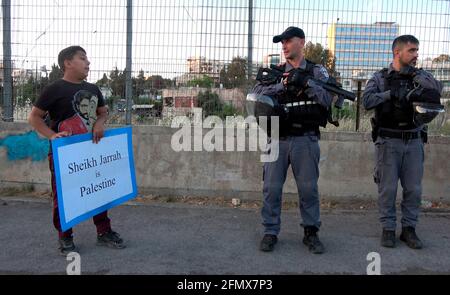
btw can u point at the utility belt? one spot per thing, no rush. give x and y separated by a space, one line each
404 135
400 134
299 132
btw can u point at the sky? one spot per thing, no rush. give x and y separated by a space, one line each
167 32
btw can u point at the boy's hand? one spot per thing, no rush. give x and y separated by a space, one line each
97 132
60 134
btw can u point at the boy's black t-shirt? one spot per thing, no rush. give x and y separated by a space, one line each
63 100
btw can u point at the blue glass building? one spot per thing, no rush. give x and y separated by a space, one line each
361 49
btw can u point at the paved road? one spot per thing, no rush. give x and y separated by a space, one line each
185 239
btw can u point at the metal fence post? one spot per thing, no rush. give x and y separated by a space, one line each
7 64
128 81
250 40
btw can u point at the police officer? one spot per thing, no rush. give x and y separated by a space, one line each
308 106
399 137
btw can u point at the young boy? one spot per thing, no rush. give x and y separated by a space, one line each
61 101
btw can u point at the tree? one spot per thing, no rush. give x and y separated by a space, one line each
210 103
104 81
319 55
204 82
156 82
27 92
442 58
139 83
117 83
235 74
55 74
229 110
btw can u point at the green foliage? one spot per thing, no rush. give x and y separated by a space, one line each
113 102
103 82
229 110
27 92
317 54
203 82
117 82
213 106
235 74
55 74
141 85
210 103
347 112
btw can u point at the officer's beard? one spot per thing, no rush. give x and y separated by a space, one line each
411 63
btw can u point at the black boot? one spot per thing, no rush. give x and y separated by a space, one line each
268 243
312 240
66 245
388 238
110 239
409 236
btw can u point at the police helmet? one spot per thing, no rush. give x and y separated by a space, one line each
263 106
425 112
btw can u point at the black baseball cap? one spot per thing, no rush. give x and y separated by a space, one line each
289 33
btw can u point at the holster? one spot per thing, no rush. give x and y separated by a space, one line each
375 129
424 134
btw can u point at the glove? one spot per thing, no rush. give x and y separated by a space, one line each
399 94
298 78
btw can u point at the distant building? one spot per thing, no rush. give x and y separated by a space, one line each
271 59
197 67
183 97
143 109
361 49
20 75
15 72
182 101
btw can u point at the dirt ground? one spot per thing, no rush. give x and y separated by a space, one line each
288 204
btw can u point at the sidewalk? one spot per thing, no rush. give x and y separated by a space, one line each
186 239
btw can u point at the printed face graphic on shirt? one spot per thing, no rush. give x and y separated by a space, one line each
85 105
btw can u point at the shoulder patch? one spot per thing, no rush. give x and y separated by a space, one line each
323 71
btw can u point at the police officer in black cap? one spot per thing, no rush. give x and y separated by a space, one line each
307 106
404 99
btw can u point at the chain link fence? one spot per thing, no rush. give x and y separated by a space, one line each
200 57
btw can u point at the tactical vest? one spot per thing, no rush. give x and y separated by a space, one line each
392 114
304 114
